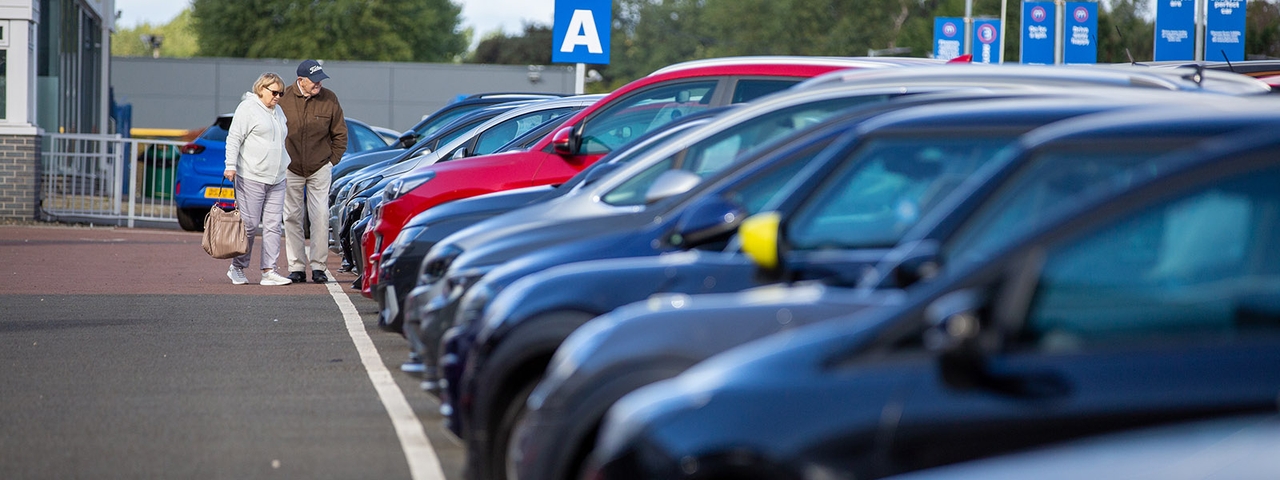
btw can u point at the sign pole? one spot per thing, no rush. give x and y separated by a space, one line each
968 26
1004 11
1201 7
580 79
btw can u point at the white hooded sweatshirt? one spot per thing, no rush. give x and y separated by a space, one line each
255 142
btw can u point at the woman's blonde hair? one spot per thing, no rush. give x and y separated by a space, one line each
267 79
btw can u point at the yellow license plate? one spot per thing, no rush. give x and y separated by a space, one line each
215 192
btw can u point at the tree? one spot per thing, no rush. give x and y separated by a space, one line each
532 47
374 30
1262 29
1124 31
179 39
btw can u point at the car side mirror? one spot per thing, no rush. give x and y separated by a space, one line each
408 140
565 142
759 237
460 153
708 220
671 183
954 325
915 269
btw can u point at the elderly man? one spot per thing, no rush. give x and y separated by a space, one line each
317 139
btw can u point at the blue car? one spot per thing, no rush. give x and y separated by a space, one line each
198 182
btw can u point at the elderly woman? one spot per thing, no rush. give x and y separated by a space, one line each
256 164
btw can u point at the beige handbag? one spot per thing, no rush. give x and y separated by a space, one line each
224 235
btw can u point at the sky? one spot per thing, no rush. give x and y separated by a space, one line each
483 15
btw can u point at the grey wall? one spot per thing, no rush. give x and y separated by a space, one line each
189 93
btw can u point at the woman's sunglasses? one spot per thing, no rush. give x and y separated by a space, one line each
275 93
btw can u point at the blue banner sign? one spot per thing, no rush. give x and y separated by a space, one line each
1224 30
581 31
1038 33
1080 36
986 41
948 35
1175 30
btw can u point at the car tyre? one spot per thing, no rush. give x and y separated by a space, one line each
191 219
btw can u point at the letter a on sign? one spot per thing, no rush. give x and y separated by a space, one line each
581 31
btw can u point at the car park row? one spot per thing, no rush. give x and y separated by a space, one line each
795 267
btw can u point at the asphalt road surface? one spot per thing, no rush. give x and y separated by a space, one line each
127 353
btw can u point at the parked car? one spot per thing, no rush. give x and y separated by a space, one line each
1151 305
198 183
455 110
430 137
659 337
624 115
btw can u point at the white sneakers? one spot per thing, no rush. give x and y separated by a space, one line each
236 275
270 277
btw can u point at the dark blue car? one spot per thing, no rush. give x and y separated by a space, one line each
1154 304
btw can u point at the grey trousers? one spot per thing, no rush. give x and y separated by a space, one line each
260 203
316 188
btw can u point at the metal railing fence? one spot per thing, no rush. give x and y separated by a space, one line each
108 179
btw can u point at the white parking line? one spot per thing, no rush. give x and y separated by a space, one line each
423 462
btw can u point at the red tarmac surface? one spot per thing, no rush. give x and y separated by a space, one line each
64 259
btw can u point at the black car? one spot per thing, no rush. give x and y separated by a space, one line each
402 261
912 159
655 339
1152 305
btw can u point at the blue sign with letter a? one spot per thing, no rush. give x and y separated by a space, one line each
1224 31
1080 40
1038 32
1175 30
948 37
581 31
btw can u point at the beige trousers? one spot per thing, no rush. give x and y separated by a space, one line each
314 190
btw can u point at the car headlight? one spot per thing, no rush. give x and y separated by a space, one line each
437 263
406 184
365 184
462 281
473 304
403 240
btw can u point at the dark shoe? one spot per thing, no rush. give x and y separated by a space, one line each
318 276
298 277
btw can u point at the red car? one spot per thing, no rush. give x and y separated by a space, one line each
625 114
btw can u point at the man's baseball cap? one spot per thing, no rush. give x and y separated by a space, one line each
312 70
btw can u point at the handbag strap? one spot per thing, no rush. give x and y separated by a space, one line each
234 201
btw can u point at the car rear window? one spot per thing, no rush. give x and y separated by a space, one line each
218 131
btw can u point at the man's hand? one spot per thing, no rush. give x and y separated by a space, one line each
229 175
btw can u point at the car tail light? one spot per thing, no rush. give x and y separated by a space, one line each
191 149
966 58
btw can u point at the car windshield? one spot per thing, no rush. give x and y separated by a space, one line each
717 152
884 187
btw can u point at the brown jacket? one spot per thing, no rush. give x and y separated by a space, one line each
317 129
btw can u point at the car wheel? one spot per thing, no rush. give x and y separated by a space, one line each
191 219
501 463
